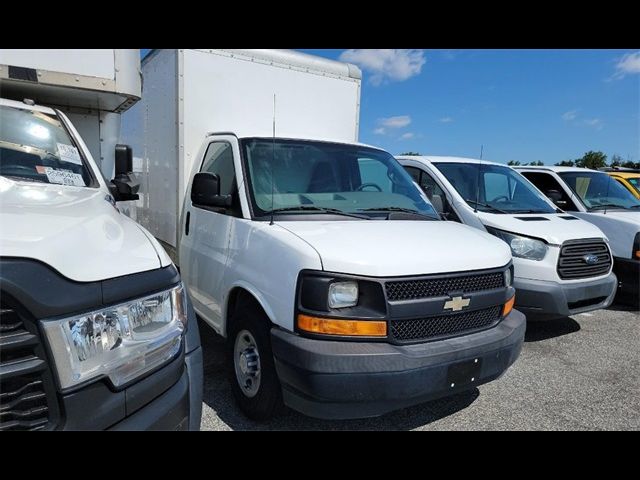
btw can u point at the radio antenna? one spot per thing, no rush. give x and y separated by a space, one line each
475 208
273 153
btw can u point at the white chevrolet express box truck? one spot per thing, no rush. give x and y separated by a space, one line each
563 265
96 329
337 287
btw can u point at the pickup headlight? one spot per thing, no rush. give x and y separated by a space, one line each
521 246
120 342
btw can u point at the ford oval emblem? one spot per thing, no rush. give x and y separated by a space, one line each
590 259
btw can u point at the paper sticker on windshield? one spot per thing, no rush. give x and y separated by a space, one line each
64 177
69 153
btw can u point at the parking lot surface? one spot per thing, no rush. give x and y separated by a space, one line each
578 373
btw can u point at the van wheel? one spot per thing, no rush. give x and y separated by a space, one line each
252 371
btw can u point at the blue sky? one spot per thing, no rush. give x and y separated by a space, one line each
524 105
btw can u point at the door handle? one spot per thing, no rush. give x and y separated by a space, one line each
186 224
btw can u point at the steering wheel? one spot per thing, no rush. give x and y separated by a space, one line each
506 199
365 185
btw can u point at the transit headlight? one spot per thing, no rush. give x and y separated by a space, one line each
522 247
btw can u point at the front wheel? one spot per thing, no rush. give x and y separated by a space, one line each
252 371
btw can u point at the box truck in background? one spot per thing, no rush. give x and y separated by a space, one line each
337 287
97 329
189 93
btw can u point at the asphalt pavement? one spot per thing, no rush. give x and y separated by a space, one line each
577 373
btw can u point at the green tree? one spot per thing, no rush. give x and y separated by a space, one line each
593 160
565 163
630 164
513 163
539 163
415 154
616 160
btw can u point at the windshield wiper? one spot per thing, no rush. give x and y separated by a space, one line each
398 209
607 205
312 208
486 205
633 206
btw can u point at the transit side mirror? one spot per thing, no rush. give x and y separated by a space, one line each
205 191
556 197
124 186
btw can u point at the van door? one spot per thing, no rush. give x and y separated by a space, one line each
206 232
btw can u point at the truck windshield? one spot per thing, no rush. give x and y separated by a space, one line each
599 191
308 177
35 147
502 190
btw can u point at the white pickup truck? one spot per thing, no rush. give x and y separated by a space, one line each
336 285
96 330
563 265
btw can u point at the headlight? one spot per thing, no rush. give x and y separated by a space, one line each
523 247
120 342
343 294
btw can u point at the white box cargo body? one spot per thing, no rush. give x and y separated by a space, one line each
91 86
188 93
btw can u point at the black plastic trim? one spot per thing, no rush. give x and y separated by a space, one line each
45 293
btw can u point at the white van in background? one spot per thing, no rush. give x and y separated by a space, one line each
336 285
563 265
599 199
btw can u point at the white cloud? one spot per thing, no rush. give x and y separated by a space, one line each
628 64
407 136
399 121
380 131
570 115
595 123
394 64
446 120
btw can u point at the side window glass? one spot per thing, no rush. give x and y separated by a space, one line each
219 160
552 189
415 173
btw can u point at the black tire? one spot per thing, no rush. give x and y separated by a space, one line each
268 399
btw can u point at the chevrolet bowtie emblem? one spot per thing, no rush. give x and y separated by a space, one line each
457 303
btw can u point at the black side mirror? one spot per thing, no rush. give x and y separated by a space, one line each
556 197
205 191
124 186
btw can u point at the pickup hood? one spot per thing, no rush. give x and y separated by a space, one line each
550 227
76 231
388 248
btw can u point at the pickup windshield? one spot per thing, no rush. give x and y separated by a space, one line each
35 147
311 178
599 191
502 190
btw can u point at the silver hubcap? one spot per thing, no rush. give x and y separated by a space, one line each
246 360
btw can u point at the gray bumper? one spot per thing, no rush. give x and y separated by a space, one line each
339 379
546 300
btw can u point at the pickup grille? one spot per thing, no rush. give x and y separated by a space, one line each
572 262
23 397
445 325
440 287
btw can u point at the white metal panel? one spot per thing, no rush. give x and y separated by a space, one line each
90 62
231 94
150 127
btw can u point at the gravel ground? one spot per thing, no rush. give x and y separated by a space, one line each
578 373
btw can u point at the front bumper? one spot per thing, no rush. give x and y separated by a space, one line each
340 379
547 300
628 273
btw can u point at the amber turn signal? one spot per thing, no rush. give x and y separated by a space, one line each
506 310
637 253
352 328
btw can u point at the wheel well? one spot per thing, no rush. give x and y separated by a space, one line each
239 296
